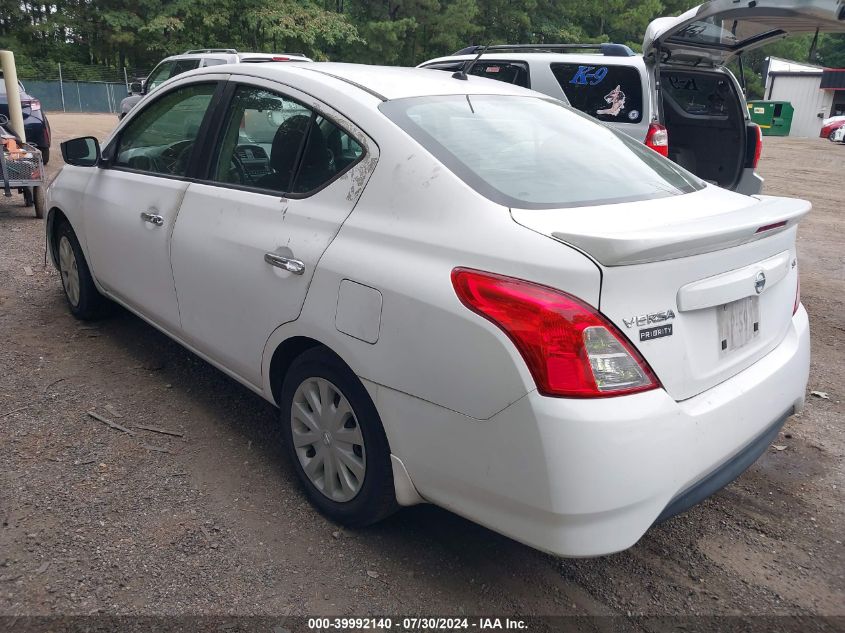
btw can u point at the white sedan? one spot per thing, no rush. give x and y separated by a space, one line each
456 291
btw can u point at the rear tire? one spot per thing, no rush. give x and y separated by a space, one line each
336 441
83 298
39 201
45 154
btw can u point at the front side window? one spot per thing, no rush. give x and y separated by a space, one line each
161 138
535 153
606 92
160 74
274 143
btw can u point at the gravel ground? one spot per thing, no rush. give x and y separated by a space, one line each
95 520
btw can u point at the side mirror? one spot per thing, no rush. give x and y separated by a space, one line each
136 88
82 152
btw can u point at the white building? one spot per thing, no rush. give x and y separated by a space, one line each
816 93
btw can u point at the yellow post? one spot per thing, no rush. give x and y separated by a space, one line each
10 77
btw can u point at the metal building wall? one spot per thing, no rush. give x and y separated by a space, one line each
806 97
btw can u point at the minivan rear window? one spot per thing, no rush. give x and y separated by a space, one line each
608 92
536 153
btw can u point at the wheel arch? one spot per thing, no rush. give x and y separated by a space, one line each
284 355
55 216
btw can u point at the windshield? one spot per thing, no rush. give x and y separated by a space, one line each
536 153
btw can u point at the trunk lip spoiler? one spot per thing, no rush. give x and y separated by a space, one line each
655 243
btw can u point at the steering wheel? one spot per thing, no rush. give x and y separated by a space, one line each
237 172
174 158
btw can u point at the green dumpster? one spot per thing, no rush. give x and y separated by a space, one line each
773 117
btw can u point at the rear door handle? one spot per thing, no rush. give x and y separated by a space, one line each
285 263
152 218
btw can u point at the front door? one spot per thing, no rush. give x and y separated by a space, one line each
283 177
131 205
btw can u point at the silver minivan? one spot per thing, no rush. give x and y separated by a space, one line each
678 96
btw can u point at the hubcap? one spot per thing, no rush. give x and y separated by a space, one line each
328 439
69 271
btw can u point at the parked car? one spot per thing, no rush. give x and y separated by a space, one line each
678 97
201 58
35 122
830 126
462 292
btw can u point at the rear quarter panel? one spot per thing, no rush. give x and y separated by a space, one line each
414 223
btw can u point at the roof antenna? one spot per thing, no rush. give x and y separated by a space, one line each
468 64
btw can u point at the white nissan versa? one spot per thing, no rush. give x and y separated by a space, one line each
456 290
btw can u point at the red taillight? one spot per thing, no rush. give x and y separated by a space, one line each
758 147
657 139
279 58
570 349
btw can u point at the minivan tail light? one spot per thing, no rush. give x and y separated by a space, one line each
570 349
657 138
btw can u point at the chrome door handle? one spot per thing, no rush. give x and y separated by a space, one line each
152 218
285 263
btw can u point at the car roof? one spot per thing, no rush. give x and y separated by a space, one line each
544 57
383 82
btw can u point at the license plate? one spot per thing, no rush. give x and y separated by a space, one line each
739 322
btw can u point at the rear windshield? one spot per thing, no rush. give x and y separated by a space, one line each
536 153
606 92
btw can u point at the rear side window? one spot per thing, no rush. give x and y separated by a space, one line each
701 94
607 92
535 153
515 73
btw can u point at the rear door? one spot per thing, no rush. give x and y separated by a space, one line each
717 31
282 176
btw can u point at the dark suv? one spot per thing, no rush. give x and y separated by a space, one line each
35 122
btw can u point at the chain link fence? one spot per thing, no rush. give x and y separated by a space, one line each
78 88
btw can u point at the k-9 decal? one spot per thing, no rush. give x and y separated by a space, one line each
589 76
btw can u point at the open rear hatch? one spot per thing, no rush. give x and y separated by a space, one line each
703 284
717 31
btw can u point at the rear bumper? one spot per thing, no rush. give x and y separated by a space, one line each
589 477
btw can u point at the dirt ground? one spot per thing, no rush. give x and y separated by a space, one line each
93 520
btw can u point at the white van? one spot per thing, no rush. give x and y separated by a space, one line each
678 97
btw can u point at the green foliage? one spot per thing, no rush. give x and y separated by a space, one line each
97 39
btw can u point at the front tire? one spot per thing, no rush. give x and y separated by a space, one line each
336 441
83 298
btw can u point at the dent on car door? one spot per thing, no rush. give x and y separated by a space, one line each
284 173
130 206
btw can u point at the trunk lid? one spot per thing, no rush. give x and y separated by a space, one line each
681 280
717 31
